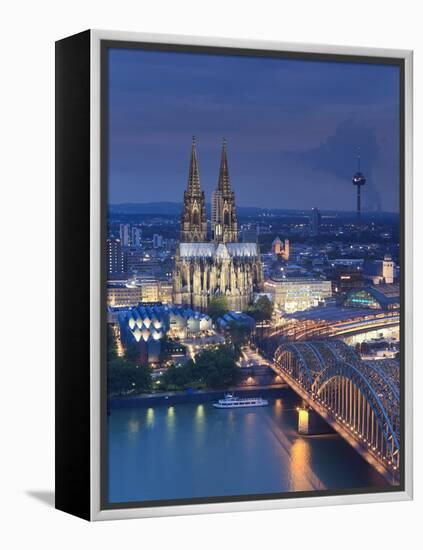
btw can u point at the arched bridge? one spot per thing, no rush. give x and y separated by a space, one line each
359 398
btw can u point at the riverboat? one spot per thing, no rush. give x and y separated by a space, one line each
232 402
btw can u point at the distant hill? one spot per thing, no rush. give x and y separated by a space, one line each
174 208
146 208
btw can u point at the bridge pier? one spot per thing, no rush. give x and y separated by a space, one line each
311 423
357 399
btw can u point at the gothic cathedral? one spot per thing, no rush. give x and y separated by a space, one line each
208 267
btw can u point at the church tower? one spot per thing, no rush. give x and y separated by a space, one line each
224 222
194 219
388 269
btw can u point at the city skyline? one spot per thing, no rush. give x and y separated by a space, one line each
295 308
300 122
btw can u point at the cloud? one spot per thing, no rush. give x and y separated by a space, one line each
337 155
293 127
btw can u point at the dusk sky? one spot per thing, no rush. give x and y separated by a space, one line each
293 128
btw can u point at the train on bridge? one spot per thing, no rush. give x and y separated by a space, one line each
331 322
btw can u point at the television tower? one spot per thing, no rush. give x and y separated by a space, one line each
358 180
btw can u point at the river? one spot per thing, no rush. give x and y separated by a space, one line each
196 451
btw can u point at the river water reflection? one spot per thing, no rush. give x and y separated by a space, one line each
196 451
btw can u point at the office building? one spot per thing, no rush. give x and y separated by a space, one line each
115 256
298 293
136 237
157 241
125 234
122 295
315 220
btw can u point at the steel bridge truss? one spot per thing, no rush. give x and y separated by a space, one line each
361 396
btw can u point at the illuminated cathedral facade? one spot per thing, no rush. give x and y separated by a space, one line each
219 265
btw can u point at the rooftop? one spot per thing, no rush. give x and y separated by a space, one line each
385 294
307 279
387 290
332 314
235 316
210 250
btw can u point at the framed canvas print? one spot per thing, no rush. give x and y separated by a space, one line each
234 299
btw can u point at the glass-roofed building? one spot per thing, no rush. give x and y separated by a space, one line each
382 296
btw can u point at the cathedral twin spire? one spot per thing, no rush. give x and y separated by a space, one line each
224 184
194 220
224 222
194 173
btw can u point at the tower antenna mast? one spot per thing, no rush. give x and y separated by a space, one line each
359 180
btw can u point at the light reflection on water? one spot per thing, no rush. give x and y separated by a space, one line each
195 450
300 465
150 417
133 425
170 424
199 415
